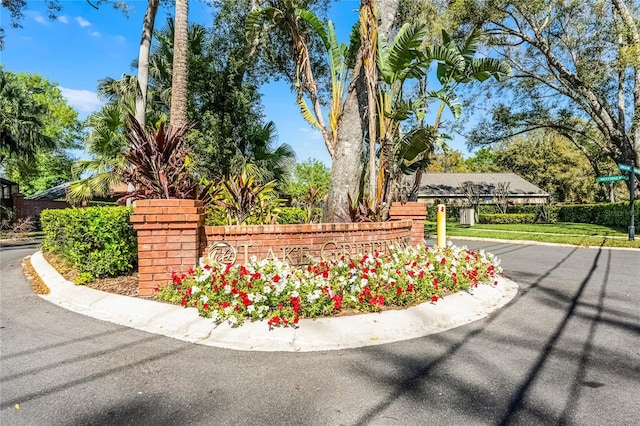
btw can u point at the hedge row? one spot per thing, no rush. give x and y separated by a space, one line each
610 214
543 214
97 241
286 216
509 218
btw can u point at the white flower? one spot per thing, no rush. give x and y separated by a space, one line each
251 308
227 289
266 289
204 298
232 320
195 289
294 294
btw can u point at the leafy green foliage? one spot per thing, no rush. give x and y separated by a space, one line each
22 119
245 198
552 163
609 214
308 187
97 241
507 218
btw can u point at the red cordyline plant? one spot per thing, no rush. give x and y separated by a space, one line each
157 163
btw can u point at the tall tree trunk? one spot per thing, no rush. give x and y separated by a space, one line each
180 67
352 125
633 40
143 60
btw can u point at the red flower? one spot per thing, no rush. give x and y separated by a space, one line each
280 306
399 290
275 320
207 267
337 302
276 278
205 307
285 321
190 271
156 289
325 274
443 261
295 320
183 302
434 298
380 300
435 283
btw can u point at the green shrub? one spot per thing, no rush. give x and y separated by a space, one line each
291 215
97 241
543 214
216 216
609 214
509 218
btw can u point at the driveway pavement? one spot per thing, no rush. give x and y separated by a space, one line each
565 350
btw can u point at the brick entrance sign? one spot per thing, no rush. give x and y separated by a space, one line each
171 237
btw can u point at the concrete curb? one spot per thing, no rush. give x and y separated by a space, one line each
536 243
312 335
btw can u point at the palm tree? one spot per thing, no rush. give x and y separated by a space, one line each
290 17
143 60
180 72
270 163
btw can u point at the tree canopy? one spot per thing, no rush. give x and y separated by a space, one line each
576 70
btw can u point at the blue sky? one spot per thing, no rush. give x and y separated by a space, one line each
84 45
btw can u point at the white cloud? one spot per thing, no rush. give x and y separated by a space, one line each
63 19
84 101
37 17
311 133
120 38
95 34
82 22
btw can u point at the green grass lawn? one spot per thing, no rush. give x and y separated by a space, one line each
581 234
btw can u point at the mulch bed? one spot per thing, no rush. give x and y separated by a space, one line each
126 285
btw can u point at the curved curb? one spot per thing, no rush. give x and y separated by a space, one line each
321 334
537 243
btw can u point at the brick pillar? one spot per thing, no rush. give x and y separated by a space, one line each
18 206
414 211
168 239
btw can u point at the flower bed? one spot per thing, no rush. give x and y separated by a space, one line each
283 294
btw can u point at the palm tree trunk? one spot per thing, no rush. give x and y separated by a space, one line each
143 60
180 66
352 125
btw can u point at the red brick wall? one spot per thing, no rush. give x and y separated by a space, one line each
23 208
172 237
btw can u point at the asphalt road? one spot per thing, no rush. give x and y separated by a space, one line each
565 351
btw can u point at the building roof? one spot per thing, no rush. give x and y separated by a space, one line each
60 192
452 184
